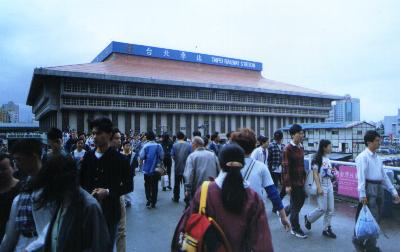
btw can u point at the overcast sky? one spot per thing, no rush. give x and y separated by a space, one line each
340 47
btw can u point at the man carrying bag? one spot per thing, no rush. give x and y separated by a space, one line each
371 179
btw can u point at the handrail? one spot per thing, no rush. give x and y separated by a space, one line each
393 168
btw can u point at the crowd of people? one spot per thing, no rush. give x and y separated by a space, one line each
72 193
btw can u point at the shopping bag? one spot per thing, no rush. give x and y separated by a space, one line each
366 226
164 181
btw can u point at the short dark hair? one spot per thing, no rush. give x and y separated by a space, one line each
114 132
263 139
214 136
103 124
126 142
196 133
370 136
246 139
295 129
180 135
54 134
27 147
228 135
150 135
278 135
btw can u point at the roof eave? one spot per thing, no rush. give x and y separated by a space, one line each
44 71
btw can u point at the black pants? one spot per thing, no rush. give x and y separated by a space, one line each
297 198
151 188
177 186
276 177
168 165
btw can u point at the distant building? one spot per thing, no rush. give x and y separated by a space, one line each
4 117
346 110
346 137
12 110
392 125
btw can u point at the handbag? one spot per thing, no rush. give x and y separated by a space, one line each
310 186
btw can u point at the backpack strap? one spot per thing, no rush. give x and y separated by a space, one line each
203 197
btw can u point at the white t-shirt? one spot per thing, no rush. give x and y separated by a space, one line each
98 154
326 168
258 154
78 155
258 178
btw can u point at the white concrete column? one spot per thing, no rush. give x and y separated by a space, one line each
73 121
143 122
121 121
218 123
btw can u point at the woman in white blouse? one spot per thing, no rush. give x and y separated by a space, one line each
323 173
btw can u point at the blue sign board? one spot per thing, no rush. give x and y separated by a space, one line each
162 53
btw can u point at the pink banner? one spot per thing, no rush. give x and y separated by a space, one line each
347 181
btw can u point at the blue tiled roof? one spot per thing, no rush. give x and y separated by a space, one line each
19 125
330 125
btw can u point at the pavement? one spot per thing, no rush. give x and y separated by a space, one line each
152 230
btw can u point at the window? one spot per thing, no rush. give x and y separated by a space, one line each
221 96
205 95
335 132
310 144
359 132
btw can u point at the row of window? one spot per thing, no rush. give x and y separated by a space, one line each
76 86
99 102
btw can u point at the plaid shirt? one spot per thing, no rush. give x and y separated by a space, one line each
275 155
293 165
24 220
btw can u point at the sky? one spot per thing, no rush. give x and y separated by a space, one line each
339 47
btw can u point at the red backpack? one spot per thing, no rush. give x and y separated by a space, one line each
202 233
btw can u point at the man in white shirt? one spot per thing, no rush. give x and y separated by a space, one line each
372 180
261 153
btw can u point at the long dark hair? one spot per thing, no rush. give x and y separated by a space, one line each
231 159
320 153
58 179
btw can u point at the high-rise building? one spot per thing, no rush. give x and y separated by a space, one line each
12 110
346 110
392 125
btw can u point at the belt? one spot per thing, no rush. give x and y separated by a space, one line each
29 234
375 182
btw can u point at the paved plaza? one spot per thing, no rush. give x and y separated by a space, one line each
152 230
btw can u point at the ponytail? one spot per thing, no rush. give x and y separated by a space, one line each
234 195
233 191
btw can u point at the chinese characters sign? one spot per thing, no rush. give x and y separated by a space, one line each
347 185
162 53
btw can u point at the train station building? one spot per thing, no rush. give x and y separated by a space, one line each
143 87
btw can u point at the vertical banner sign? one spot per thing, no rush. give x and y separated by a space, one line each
347 185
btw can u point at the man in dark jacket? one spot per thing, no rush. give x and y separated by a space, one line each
105 174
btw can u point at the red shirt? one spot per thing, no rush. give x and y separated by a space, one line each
293 166
248 231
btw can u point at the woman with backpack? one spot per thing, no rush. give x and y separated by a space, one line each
323 174
236 211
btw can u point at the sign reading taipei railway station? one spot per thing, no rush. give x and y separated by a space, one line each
163 53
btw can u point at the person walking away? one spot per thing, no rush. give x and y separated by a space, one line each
294 177
180 152
27 224
261 153
150 155
201 165
371 180
242 218
78 223
167 144
323 173
9 189
105 174
79 152
256 174
275 150
214 145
